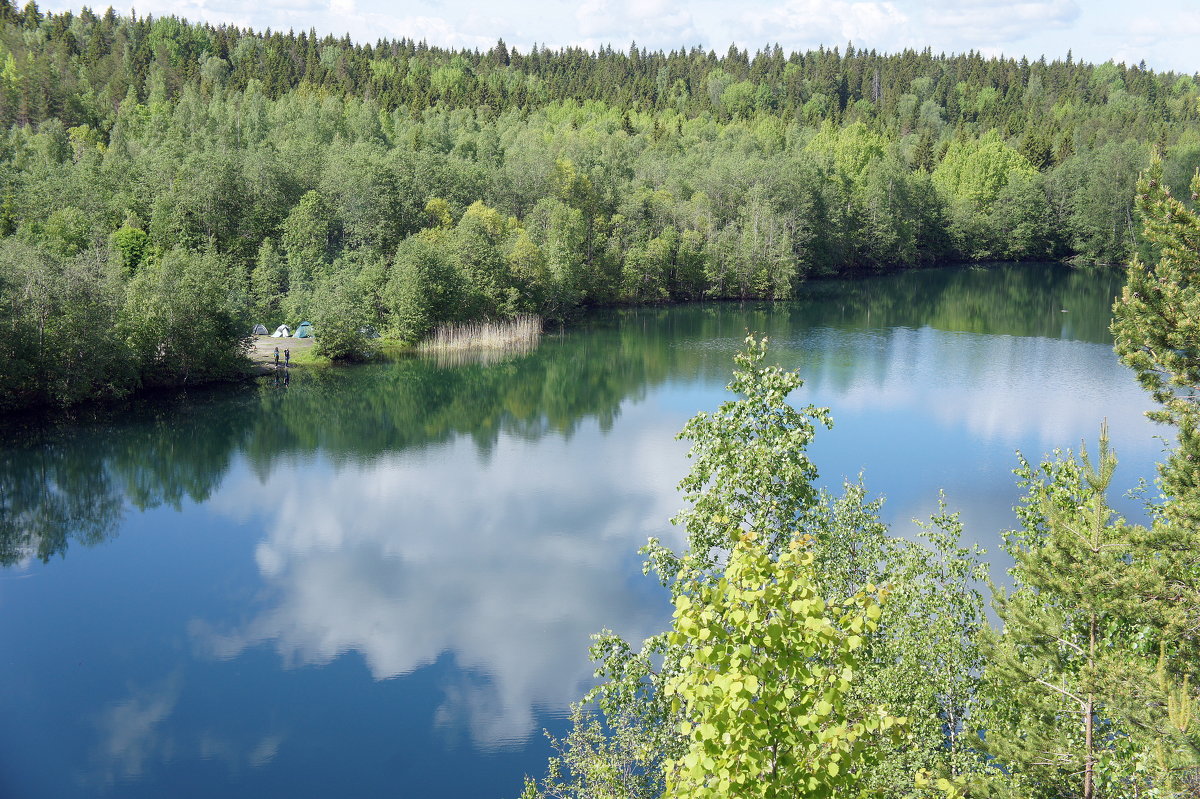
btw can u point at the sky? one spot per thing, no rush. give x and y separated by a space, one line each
1163 33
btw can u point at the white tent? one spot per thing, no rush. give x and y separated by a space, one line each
260 330
282 332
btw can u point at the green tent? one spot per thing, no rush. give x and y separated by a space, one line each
305 330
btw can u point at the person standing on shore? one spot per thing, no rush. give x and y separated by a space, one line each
277 357
287 358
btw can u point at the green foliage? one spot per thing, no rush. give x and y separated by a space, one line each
186 319
341 317
55 314
750 468
763 683
131 244
973 172
1097 187
425 287
1157 331
925 657
1070 676
306 240
1020 220
1156 335
768 684
987 185
478 243
606 177
268 285
851 148
753 255
597 758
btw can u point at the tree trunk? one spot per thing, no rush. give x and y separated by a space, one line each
1089 763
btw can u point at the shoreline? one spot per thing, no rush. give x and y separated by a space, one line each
261 352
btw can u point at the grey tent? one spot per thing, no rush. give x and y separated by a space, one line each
282 332
260 330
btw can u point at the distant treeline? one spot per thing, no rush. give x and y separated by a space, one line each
164 186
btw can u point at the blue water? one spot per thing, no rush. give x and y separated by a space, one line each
382 580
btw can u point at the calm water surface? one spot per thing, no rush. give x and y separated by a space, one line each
381 580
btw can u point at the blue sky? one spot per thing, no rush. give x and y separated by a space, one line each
1164 33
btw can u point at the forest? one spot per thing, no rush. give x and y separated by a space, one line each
165 186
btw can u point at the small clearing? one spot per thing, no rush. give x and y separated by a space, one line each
262 351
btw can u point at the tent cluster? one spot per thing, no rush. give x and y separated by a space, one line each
305 330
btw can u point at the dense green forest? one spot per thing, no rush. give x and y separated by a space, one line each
165 186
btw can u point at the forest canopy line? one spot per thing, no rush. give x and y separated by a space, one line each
164 186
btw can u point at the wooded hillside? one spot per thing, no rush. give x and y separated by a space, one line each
164 186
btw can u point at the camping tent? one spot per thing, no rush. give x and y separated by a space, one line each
260 330
281 332
305 330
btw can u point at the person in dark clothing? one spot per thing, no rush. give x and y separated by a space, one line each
287 357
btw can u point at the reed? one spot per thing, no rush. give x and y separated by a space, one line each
485 341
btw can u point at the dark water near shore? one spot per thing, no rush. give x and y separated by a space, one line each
381 580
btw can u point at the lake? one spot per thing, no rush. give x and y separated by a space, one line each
381 580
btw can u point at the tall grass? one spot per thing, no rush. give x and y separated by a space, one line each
483 342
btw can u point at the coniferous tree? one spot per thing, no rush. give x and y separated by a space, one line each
1157 332
1067 675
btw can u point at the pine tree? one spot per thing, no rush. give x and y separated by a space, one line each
1065 671
1157 331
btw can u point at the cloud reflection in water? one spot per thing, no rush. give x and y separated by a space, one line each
508 563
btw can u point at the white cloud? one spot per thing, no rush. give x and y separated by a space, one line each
999 388
808 23
651 23
594 17
998 23
1160 31
1154 39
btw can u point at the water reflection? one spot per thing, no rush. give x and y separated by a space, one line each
996 388
451 535
59 483
131 735
508 562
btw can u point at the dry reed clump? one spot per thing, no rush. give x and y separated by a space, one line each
484 341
